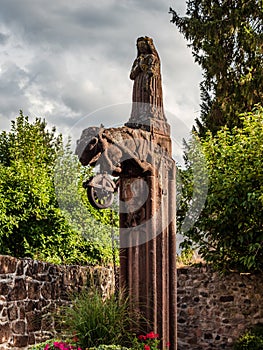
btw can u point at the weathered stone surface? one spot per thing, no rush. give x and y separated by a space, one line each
30 292
20 341
226 298
4 332
140 154
4 288
47 322
12 312
33 290
19 327
22 312
31 305
214 310
7 264
20 268
31 339
46 291
19 290
33 321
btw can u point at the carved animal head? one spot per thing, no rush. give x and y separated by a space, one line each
88 147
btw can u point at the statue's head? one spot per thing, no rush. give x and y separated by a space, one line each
145 45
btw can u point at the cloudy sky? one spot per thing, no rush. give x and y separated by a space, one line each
69 62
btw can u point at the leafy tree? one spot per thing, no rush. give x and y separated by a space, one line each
27 154
96 227
32 222
229 231
226 38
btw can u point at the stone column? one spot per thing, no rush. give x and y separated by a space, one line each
140 153
147 240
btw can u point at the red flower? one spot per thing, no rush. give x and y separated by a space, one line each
152 335
147 347
168 344
142 337
75 339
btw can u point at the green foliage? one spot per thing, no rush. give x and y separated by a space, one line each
226 39
229 231
191 186
186 257
27 152
148 341
42 345
37 176
95 226
96 321
251 340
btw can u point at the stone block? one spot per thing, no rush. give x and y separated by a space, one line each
33 290
33 321
4 333
7 264
33 267
20 341
31 306
31 339
19 290
226 298
4 313
19 327
22 312
12 312
4 288
20 268
46 291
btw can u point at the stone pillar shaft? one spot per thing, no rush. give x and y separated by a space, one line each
148 256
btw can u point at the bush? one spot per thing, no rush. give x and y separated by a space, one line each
45 213
251 340
97 322
229 230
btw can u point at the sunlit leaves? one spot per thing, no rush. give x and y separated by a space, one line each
229 231
32 223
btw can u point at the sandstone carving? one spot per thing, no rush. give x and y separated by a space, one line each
139 154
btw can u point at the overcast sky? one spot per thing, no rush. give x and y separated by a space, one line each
69 62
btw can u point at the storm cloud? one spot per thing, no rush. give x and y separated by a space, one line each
69 62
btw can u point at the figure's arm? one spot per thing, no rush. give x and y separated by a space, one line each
135 69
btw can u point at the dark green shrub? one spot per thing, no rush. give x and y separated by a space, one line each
251 340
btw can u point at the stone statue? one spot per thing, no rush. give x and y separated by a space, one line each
147 97
139 154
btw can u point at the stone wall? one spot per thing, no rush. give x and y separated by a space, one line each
213 310
30 291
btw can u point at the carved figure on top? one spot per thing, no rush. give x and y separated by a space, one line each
147 88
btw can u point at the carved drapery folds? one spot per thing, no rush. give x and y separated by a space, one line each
147 96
